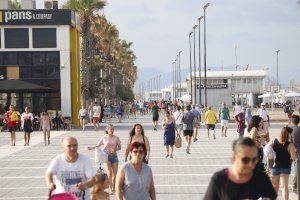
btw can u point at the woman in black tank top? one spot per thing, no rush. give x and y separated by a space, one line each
285 153
136 132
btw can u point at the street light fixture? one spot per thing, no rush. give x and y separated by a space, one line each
205 80
200 79
191 71
173 66
277 52
195 78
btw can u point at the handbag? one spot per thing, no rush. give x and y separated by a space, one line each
178 141
100 155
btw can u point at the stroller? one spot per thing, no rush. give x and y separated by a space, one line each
65 196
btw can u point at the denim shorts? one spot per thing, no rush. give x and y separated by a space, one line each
112 158
279 171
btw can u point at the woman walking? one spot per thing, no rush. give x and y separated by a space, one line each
111 144
285 152
135 179
83 117
137 135
169 133
27 124
46 123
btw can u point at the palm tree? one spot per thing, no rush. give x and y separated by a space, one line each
15 5
86 10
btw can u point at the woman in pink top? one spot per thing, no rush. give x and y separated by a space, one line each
111 144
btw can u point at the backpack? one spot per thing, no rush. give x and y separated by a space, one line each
286 109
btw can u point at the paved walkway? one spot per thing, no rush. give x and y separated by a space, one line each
185 176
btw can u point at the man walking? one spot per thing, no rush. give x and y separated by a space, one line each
155 115
264 114
188 127
210 121
73 171
296 140
96 116
197 121
224 117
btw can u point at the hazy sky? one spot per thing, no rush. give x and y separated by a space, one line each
159 29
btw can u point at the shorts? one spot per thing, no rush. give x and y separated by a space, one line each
210 126
179 127
112 158
83 117
12 128
188 133
46 128
96 119
275 171
155 118
224 123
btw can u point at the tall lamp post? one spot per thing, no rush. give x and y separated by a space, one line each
179 73
277 52
176 80
173 72
195 78
205 80
191 71
200 79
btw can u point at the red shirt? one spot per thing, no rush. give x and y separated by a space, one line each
8 119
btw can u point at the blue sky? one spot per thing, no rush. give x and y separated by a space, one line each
159 29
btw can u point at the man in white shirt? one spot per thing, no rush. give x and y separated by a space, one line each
264 114
96 116
72 172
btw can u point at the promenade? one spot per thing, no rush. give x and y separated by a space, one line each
22 169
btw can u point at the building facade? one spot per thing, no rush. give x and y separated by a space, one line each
39 51
230 87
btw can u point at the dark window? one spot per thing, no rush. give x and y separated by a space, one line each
52 72
10 58
52 58
1 59
24 58
44 37
25 72
38 72
16 38
38 59
225 80
3 73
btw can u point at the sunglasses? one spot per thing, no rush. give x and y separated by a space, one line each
246 160
138 151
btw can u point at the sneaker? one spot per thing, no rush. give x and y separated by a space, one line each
195 139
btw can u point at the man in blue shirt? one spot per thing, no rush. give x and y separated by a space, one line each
197 121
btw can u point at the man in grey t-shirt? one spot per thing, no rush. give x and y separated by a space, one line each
188 126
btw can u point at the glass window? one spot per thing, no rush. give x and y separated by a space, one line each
1 59
52 58
38 72
25 72
10 58
52 72
24 58
44 37
224 80
16 38
38 59
238 84
3 73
